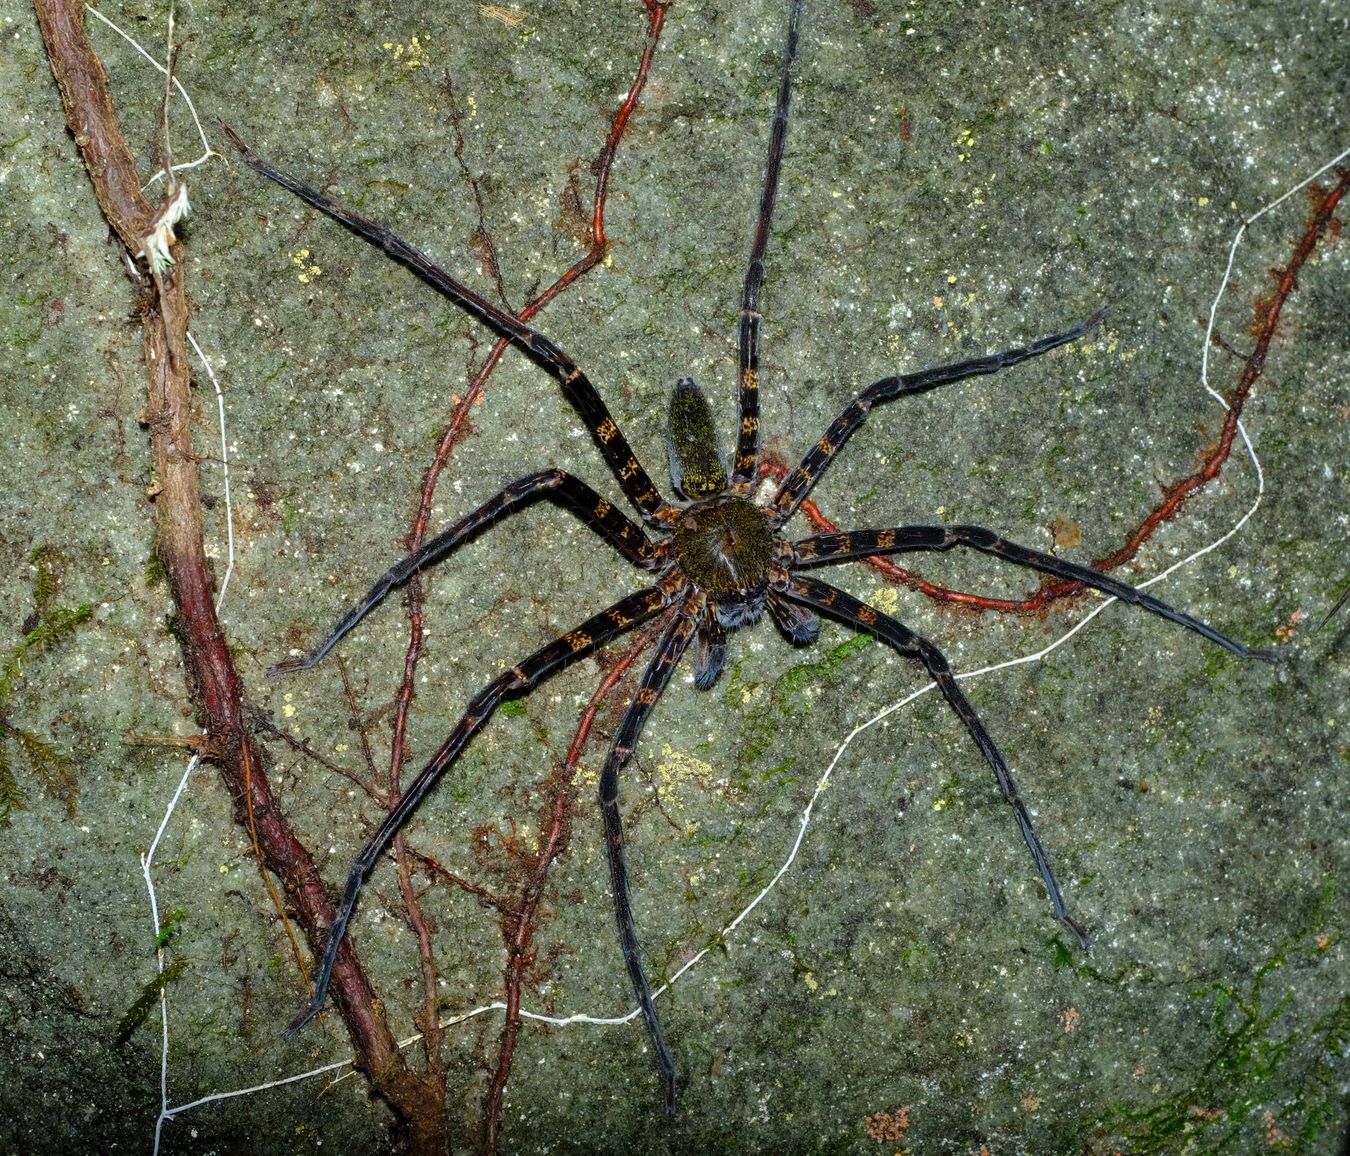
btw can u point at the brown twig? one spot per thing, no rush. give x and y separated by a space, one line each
213 682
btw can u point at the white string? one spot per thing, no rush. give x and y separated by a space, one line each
225 471
147 864
207 151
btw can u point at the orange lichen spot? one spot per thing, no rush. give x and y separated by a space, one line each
1069 1019
1286 632
1067 532
1275 1138
887 1127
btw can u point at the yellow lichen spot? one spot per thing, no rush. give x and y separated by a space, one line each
307 269
410 55
287 707
964 144
885 599
681 766
811 982
224 868
1203 201
951 278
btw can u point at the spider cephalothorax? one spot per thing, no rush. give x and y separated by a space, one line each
719 559
721 544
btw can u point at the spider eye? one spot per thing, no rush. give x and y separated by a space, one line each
697 468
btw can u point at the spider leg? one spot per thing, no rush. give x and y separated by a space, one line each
747 436
799 624
619 618
558 486
827 548
654 681
1335 607
846 608
798 484
632 478
710 650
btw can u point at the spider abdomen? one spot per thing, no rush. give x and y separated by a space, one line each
725 547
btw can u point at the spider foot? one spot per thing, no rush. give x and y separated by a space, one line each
287 665
312 1008
1078 930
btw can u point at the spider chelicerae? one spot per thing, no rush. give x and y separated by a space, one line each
717 559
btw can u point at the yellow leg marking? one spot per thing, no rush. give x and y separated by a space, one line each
578 640
606 430
646 696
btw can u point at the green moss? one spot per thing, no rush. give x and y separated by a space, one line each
135 1015
1243 1085
48 625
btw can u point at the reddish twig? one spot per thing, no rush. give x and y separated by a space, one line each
555 829
1264 327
